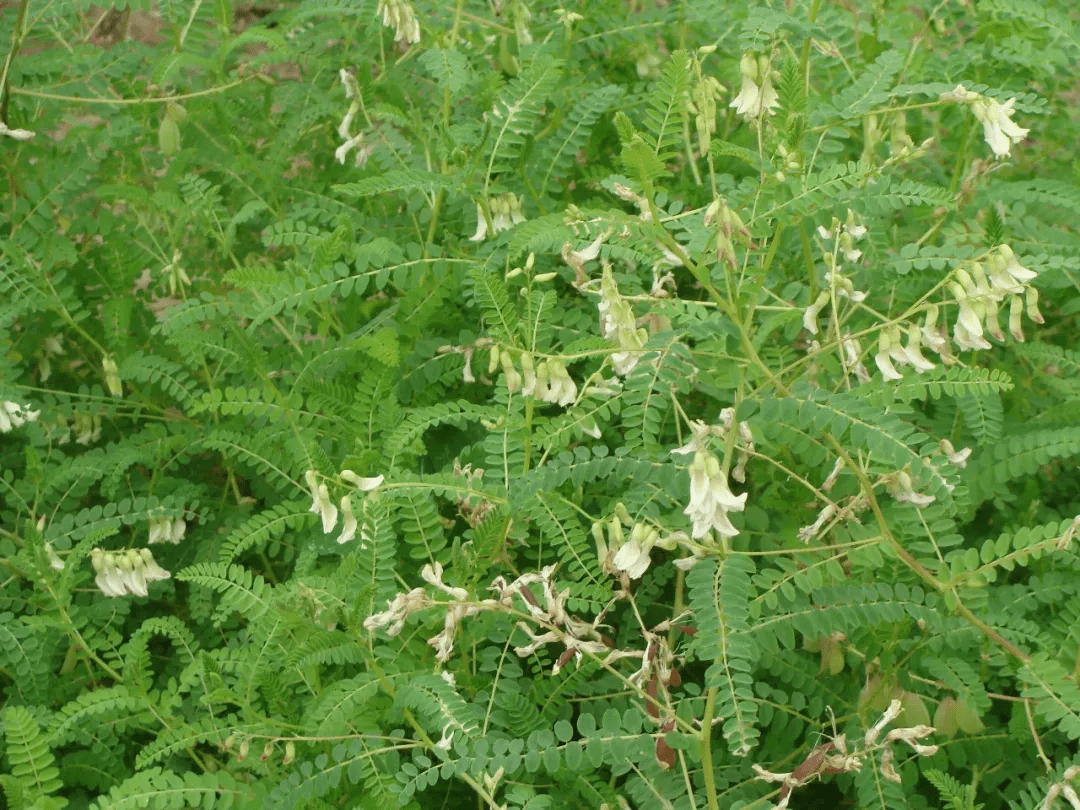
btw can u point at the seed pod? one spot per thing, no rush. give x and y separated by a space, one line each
268 749
290 753
242 753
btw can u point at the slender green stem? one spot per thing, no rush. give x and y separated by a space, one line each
18 34
706 750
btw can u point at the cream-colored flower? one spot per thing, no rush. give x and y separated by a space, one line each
320 502
55 563
13 415
166 530
884 357
810 314
16 134
999 130
349 523
120 573
710 498
617 323
399 15
363 484
757 96
632 557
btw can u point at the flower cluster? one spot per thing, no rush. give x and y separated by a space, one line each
834 757
166 530
120 573
399 15
728 226
757 96
629 557
547 381
49 346
617 323
842 238
978 295
704 94
322 506
710 496
505 212
999 130
363 151
13 415
978 288
558 626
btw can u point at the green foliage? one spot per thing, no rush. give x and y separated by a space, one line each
406 404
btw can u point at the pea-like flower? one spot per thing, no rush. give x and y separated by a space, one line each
999 130
320 502
710 498
757 96
120 573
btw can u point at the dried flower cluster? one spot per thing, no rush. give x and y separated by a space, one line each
834 757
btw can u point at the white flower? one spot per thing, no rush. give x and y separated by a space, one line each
999 130
505 212
632 557
320 502
883 358
912 353
363 484
577 258
397 611
17 134
617 323
710 498
757 96
810 314
349 523
55 563
14 415
120 573
957 458
166 530
561 389
899 485
399 15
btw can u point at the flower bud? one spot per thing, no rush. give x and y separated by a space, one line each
1033 305
1016 309
290 753
513 377
112 376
